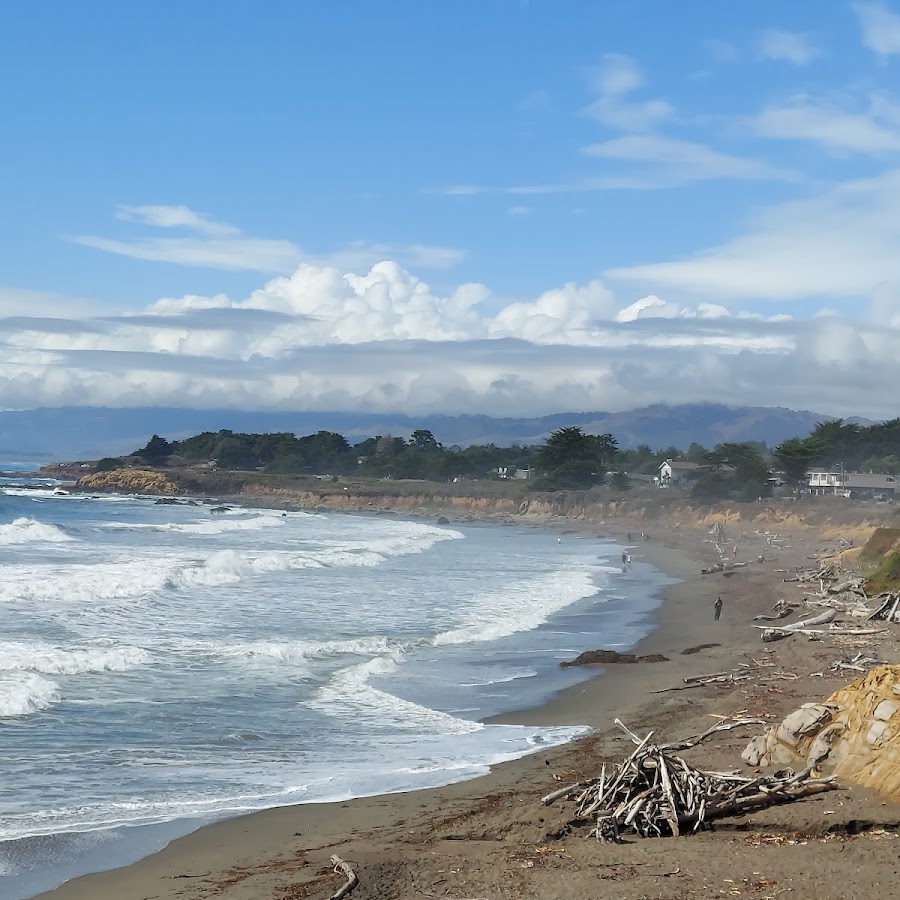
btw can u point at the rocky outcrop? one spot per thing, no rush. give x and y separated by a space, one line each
129 481
604 657
855 733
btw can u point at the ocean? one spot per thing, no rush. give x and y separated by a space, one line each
166 665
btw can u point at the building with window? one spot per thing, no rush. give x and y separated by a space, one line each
863 485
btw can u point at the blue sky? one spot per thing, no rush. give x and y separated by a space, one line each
702 198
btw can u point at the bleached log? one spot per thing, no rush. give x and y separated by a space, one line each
349 874
822 618
562 792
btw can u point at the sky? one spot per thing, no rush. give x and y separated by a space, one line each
512 207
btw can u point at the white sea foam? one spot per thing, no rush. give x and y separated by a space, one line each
50 660
82 585
24 693
350 695
299 652
42 492
25 531
503 679
212 526
520 607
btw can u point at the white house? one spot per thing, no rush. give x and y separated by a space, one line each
675 473
850 484
520 474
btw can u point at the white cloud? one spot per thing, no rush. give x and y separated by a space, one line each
652 307
683 161
383 340
584 185
43 303
841 244
173 217
616 79
880 28
835 128
229 254
788 46
223 247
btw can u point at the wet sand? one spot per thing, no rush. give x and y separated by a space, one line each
491 838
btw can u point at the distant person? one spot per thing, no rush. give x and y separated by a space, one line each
559 540
718 607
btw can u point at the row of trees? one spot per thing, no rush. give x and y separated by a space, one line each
327 452
569 459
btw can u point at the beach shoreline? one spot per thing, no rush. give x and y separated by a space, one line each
403 845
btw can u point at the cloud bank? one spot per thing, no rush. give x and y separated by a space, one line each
384 340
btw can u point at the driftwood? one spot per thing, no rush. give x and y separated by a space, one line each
775 634
782 613
722 567
738 676
653 792
889 611
349 874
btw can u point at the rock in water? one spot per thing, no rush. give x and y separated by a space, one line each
605 657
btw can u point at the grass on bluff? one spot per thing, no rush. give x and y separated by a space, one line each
882 554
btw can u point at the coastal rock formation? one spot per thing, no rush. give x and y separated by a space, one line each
855 733
604 657
129 481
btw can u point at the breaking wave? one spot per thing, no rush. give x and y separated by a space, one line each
24 693
520 607
49 660
25 531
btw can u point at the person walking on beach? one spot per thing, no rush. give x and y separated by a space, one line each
718 607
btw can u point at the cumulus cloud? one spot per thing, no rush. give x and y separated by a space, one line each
383 339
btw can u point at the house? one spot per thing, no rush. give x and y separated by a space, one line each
521 473
675 473
861 485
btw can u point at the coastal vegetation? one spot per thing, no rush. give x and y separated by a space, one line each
569 460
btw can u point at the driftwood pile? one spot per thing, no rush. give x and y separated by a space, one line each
654 793
839 593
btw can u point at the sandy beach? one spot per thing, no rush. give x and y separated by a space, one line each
491 838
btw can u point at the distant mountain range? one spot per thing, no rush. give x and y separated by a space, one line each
70 432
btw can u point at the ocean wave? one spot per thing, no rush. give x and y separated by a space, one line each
520 607
42 492
299 652
50 660
213 526
24 693
26 531
145 576
504 679
349 694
